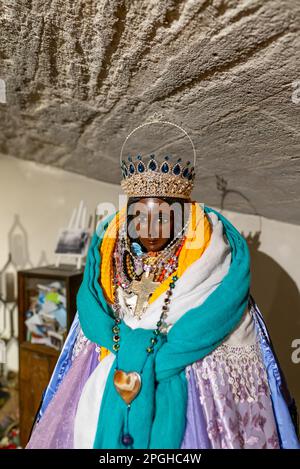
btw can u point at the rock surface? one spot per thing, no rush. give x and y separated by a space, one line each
81 74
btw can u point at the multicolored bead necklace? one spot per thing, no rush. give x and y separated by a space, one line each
131 266
129 384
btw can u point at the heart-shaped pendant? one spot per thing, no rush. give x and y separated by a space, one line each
128 385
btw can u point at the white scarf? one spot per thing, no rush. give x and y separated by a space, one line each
194 286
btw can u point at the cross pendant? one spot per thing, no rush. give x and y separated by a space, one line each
143 289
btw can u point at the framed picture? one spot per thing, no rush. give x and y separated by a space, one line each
72 241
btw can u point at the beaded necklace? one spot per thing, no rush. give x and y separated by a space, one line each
131 266
128 384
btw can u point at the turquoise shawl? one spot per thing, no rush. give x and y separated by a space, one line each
158 413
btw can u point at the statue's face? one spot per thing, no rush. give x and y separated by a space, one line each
152 222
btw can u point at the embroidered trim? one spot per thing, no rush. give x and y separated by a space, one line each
240 367
80 343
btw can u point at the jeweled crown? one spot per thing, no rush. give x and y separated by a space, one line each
147 176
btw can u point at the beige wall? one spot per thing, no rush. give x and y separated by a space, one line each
44 197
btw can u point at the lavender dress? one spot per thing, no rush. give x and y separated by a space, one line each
234 396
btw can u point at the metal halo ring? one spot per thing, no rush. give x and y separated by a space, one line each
159 122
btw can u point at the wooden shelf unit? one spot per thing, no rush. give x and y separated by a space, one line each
36 361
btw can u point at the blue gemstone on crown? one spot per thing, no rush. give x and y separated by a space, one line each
131 168
152 165
165 168
177 169
185 173
141 167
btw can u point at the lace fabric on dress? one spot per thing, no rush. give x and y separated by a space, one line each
80 343
231 385
241 367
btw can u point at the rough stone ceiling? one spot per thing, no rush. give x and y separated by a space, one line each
81 74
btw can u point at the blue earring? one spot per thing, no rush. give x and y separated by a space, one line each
136 248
